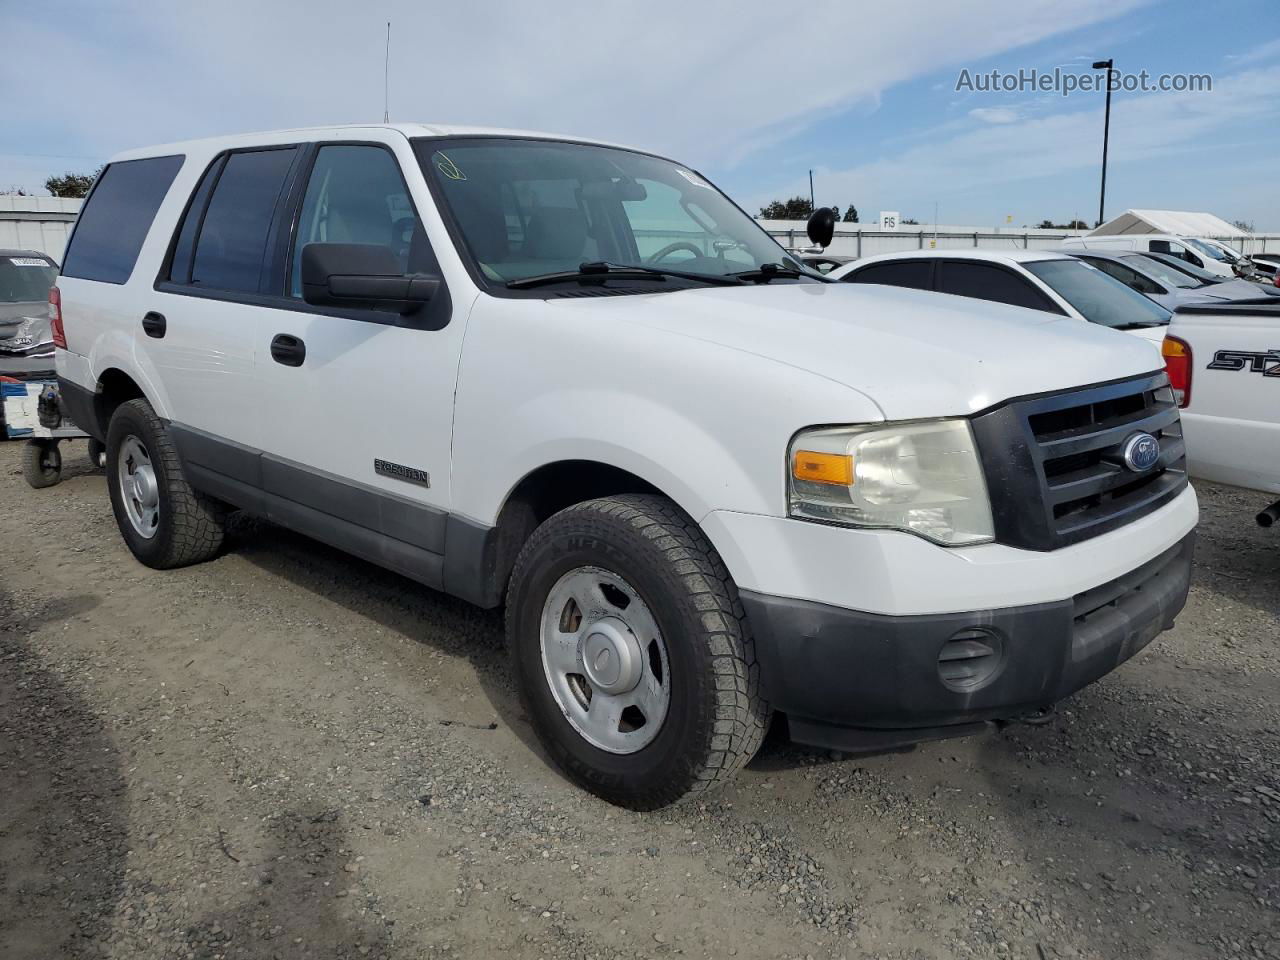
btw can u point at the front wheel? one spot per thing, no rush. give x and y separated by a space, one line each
162 519
632 652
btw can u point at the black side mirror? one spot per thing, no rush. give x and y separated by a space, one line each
822 226
361 275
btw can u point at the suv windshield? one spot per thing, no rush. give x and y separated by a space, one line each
530 208
25 279
1102 299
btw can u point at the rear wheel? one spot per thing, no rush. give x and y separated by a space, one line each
632 652
162 519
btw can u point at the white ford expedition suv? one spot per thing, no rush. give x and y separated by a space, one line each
575 379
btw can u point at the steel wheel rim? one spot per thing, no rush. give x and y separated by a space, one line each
605 660
138 488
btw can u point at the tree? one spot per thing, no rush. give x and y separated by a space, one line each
1073 225
1242 225
909 222
71 184
797 208
851 214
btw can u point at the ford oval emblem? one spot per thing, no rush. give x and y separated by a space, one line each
1141 452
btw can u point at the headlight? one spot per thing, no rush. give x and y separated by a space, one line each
923 478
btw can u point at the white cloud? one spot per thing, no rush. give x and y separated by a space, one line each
995 114
709 82
1265 51
1148 129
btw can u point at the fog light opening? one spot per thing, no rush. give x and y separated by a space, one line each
970 659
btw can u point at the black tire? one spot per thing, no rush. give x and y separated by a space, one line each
41 463
191 525
716 718
97 453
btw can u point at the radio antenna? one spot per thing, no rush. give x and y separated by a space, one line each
386 74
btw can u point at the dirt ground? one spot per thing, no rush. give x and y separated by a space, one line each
288 753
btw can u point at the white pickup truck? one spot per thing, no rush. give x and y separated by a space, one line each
1223 361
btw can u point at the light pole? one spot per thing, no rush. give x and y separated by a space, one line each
1107 65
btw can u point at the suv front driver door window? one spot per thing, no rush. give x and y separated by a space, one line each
360 387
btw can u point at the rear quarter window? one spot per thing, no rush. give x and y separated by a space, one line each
914 274
986 281
117 217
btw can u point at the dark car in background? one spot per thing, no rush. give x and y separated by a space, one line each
1220 287
1167 285
26 339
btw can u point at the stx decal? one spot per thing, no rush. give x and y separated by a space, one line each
1266 363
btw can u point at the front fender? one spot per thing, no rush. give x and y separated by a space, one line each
706 424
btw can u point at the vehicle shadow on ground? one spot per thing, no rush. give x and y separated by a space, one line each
434 619
63 829
304 903
397 604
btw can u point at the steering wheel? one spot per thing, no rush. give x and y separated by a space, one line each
671 248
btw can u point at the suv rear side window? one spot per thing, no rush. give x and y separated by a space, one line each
233 234
116 218
985 281
916 274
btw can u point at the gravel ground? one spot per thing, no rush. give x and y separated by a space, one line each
291 753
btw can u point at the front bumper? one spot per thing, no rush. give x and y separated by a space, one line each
850 680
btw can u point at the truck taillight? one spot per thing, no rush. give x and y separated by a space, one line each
55 318
1177 363
1277 276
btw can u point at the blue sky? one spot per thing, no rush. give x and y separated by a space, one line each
753 94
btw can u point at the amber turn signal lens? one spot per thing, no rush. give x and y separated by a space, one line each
833 468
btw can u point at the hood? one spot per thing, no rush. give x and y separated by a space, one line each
914 353
1230 290
1153 334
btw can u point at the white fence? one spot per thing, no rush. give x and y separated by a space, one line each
37 223
865 240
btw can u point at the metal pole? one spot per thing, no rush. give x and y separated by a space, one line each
386 79
811 206
1106 136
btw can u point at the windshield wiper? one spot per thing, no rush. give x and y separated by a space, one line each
598 270
1141 323
769 271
